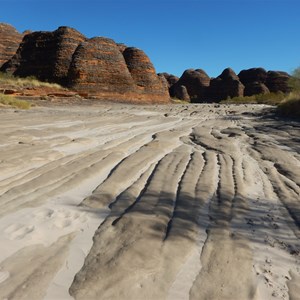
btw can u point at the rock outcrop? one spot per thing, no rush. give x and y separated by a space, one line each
102 69
259 81
200 88
171 79
96 67
10 39
45 55
227 85
278 81
144 75
255 88
196 83
253 75
180 92
254 80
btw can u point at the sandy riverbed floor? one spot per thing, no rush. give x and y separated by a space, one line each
159 202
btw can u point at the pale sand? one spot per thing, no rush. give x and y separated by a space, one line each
159 202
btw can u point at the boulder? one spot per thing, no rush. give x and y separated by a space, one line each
196 83
225 86
278 81
255 88
45 55
10 39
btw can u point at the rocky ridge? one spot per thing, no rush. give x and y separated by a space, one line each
100 68
197 86
96 68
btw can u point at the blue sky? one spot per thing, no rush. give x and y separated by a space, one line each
177 34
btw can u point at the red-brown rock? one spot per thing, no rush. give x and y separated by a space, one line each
196 83
278 81
98 67
253 75
10 39
180 92
255 88
171 79
105 70
45 55
225 86
144 75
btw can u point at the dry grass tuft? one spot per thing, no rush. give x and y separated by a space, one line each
290 107
29 82
6 100
270 99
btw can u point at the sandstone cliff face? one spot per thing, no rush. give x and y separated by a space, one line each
227 85
180 92
45 55
98 67
253 75
171 79
106 70
256 88
196 83
277 81
143 73
10 39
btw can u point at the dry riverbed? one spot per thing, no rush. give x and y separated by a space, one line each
149 202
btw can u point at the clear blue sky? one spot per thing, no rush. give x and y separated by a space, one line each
178 34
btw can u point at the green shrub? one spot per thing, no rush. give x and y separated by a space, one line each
13 102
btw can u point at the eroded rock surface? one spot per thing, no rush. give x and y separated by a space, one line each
10 39
45 55
106 70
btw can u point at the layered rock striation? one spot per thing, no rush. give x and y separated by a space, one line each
97 68
225 86
196 83
200 88
45 55
10 39
103 69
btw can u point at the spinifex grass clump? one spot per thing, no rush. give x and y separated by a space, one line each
30 81
13 102
290 106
